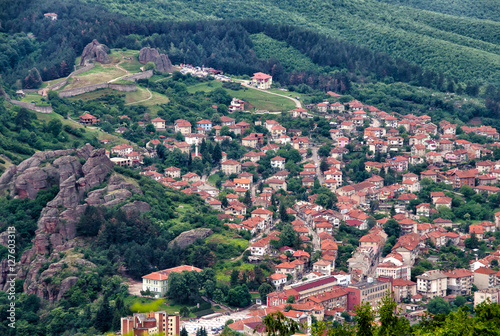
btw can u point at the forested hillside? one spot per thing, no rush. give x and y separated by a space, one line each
479 9
464 47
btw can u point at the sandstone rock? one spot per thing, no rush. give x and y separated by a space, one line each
148 54
30 182
85 151
96 168
7 176
67 166
161 61
136 207
68 196
188 237
95 51
66 284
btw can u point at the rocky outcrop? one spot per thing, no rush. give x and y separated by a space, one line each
188 237
95 51
56 227
161 61
135 207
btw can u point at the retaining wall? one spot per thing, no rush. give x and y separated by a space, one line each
142 75
82 90
90 88
31 106
123 87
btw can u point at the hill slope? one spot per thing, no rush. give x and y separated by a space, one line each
464 47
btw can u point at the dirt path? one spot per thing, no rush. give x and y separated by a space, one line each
140 101
117 65
298 104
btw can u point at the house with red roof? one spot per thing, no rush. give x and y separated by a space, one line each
261 81
158 123
88 119
157 282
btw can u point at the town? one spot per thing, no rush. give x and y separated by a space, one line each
377 202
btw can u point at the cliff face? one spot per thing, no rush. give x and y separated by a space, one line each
95 51
161 61
56 230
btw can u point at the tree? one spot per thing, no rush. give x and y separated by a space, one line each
390 322
283 215
150 128
467 191
277 324
239 296
55 127
324 150
184 312
460 301
248 199
234 277
23 118
290 299
265 289
183 332
438 306
150 66
104 316
217 154
365 318
392 228
323 166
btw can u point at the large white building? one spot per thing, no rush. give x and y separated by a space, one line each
157 282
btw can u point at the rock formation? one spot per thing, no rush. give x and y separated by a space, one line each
56 227
95 51
161 61
188 237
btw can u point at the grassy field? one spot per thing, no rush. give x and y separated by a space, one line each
258 99
130 97
229 238
152 303
224 274
52 82
128 59
35 98
114 140
98 74
141 94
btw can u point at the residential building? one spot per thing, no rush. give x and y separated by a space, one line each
432 283
157 282
489 294
122 150
371 291
231 167
88 119
261 81
158 123
459 281
157 323
485 278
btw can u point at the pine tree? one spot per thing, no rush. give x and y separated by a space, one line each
217 154
248 199
104 316
183 332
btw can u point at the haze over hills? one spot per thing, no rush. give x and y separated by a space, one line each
465 47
